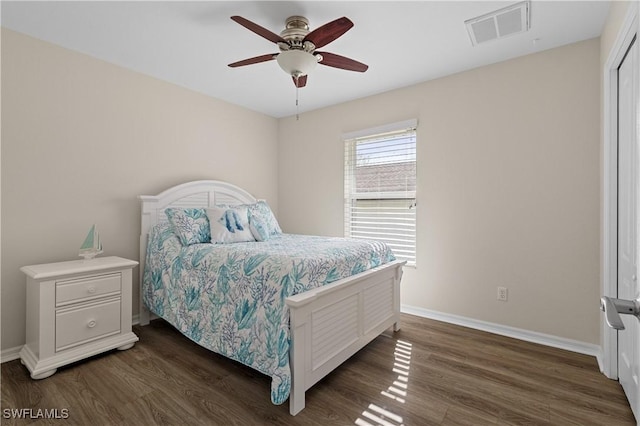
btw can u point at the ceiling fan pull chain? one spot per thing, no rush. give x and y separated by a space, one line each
297 107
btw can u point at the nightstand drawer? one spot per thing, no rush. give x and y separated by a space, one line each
87 288
75 326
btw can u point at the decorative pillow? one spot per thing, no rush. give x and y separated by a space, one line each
229 225
258 228
261 214
189 224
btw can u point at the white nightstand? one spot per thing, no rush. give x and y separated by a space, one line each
75 310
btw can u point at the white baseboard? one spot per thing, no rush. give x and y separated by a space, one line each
10 354
516 333
503 330
600 358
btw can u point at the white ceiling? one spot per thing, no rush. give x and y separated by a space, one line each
191 43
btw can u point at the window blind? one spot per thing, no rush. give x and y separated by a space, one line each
380 189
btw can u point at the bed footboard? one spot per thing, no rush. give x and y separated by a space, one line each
331 323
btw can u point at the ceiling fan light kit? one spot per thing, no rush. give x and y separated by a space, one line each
297 63
297 45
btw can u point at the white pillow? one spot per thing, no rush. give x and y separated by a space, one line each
229 225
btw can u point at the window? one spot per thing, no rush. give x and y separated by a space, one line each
380 187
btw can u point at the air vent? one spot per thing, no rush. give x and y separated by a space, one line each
501 23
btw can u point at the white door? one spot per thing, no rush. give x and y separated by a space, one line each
628 165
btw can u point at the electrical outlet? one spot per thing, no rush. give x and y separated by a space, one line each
502 294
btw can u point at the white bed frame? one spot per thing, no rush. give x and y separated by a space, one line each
328 324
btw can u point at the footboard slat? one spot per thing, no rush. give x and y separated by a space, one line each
376 304
330 324
336 328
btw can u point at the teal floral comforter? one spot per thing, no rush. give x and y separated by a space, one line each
230 298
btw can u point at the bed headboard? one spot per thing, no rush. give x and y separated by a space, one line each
200 193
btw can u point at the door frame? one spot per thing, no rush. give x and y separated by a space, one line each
609 260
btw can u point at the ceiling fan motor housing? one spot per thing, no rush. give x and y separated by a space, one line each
296 29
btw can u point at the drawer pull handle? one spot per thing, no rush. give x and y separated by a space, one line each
91 290
91 324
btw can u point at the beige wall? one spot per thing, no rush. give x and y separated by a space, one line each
81 138
508 187
508 174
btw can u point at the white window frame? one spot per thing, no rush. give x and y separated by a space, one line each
349 177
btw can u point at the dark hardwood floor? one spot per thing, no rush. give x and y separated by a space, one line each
429 373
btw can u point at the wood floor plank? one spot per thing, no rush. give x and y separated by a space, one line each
429 373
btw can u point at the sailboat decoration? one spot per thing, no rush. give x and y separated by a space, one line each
92 245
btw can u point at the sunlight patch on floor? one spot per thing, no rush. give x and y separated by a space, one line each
375 415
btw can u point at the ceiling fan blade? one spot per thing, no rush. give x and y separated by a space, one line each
337 61
302 81
328 32
261 31
255 60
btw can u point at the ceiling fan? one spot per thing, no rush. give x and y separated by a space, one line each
298 54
